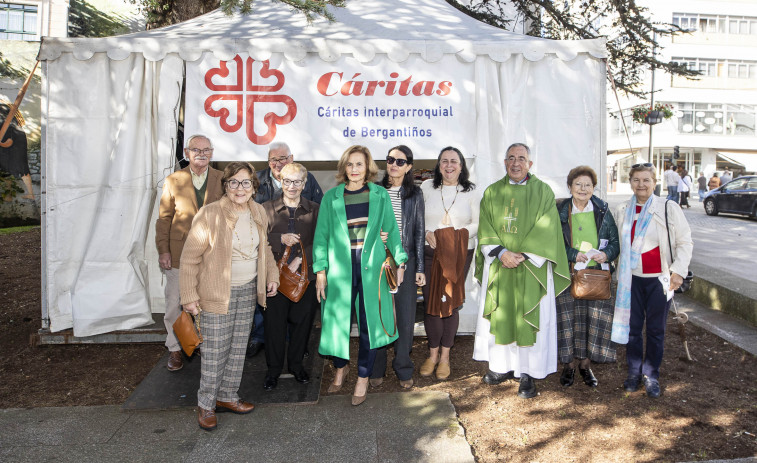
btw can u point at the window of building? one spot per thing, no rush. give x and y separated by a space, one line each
733 69
721 24
716 119
18 22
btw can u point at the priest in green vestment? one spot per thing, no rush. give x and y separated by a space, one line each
521 265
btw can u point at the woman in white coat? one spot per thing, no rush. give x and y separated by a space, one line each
655 250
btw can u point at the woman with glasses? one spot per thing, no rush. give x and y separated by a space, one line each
584 327
348 255
409 210
452 211
226 266
291 221
655 250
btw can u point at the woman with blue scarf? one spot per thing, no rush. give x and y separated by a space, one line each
649 271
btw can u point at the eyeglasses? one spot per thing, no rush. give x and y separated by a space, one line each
584 186
287 182
645 164
234 184
280 160
392 160
197 151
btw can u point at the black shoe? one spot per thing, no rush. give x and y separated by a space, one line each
632 383
270 382
567 376
588 376
301 377
653 388
527 389
254 348
493 378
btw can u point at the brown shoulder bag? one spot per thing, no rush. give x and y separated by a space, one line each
293 284
588 284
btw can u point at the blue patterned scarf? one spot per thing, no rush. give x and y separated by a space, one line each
629 258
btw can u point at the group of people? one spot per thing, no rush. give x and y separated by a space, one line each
219 248
680 184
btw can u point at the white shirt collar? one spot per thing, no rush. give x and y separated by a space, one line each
589 207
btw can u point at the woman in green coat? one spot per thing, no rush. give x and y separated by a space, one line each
347 257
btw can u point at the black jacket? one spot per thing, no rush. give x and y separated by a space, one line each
306 216
268 191
606 228
414 227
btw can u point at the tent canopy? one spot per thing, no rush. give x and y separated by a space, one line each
398 28
111 111
745 159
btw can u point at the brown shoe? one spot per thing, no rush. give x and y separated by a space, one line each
376 382
442 371
175 362
239 407
427 369
406 383
334 387
207 419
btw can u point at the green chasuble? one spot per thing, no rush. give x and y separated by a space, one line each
522 218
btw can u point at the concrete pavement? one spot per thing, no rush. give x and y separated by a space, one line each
398 427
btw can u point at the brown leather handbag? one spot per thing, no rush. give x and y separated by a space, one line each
293 284
188 332
588 284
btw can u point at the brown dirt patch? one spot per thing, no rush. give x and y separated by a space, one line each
708 408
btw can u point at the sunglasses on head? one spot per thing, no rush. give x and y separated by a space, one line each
644 164
392 160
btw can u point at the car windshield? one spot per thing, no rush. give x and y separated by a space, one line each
752 184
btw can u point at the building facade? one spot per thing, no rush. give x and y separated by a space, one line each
715 116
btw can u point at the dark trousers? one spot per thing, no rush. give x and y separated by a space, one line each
405 302
648 302
258 322
294 318
365 355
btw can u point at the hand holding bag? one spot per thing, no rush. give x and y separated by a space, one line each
188 332
293 284
588 284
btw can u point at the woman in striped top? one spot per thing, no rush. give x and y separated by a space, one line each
347 257
409 210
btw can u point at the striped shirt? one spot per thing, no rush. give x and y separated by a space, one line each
356 207
396 197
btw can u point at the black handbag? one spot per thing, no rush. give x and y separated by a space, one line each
689 278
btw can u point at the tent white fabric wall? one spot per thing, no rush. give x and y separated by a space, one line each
111 107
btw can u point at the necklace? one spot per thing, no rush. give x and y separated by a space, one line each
244 256
446 219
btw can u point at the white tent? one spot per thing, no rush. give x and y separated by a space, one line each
110 112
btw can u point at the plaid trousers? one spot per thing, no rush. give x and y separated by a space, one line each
224 346
584 329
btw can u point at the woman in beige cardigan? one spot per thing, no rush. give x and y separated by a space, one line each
226 266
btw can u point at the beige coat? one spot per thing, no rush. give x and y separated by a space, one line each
680 234
178 206
205 274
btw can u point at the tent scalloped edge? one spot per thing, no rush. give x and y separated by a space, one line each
329 50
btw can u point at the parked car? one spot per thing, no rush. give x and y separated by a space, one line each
738 196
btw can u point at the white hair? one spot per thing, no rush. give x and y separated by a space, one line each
197 135
278 146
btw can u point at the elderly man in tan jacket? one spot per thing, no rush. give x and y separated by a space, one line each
184 193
